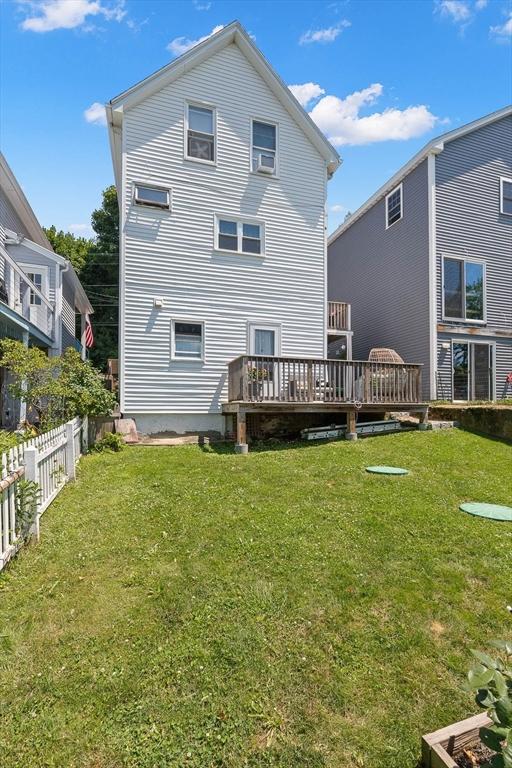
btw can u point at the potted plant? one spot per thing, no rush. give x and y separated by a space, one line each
256 375
483 741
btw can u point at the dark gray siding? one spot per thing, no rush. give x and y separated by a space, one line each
384 274
469 223
468 218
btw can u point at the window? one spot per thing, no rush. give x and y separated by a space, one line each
506 196
239 236
155 197
463 289
37 279
394 206
264 147
187 340
200 133
264 339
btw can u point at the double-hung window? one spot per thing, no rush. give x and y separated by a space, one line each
37 279
264 147
239 236
187 340
151 196
463 289
200 140
506 196
394 206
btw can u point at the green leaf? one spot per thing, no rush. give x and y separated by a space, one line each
479 677
485 659
492 737
507 753
503 709
485 698
503 645
501 685
496 762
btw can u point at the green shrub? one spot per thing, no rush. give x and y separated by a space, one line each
110 442
491 678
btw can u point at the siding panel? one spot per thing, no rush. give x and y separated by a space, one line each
171 255
384 274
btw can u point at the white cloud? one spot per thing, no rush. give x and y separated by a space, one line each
481 4
201 6
81 230
182 44
306 92
456 10
96 114
324 35
503 32
341 122
337 208
49 15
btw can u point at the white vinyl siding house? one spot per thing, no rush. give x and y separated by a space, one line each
238 248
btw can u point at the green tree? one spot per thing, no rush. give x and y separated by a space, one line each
54 389
100 278
75 249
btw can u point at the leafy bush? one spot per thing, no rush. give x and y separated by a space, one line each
27 496
491 678
8 440
54 389
110 442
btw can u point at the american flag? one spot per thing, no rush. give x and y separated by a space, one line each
89 336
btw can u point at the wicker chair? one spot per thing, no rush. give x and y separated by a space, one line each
380 382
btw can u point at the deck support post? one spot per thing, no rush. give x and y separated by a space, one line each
241 432
351 433
423 420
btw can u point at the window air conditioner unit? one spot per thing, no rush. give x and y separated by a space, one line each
266 163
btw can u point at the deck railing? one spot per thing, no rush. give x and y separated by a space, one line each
338 316
256 379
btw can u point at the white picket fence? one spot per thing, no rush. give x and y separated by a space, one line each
50 461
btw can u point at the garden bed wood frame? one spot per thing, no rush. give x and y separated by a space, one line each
454 737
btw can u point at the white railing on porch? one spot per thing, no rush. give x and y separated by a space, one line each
48 460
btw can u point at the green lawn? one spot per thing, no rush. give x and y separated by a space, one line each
195 609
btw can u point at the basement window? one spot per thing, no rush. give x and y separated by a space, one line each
187 340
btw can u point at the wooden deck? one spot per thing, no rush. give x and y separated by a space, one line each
283 384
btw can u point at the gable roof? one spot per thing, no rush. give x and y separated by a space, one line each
435 147
16 197
69 274
232 33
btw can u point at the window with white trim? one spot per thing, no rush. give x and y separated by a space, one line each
463 289
152 196
187 340
264 147
37 279
239 236
506 196
394 210
200 144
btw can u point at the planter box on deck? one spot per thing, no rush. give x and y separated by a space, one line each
437 748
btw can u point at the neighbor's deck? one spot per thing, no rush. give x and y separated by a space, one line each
282 384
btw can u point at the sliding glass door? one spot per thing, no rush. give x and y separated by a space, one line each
473 368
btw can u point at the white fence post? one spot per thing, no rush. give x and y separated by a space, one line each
31 474
70 450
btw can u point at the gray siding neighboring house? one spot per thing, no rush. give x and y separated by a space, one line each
40 293
453 233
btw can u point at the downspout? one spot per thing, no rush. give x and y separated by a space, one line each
58 308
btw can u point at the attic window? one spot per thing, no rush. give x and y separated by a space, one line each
394 211
506 196
200 133
154 197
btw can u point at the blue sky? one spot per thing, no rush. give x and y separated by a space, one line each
382 78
